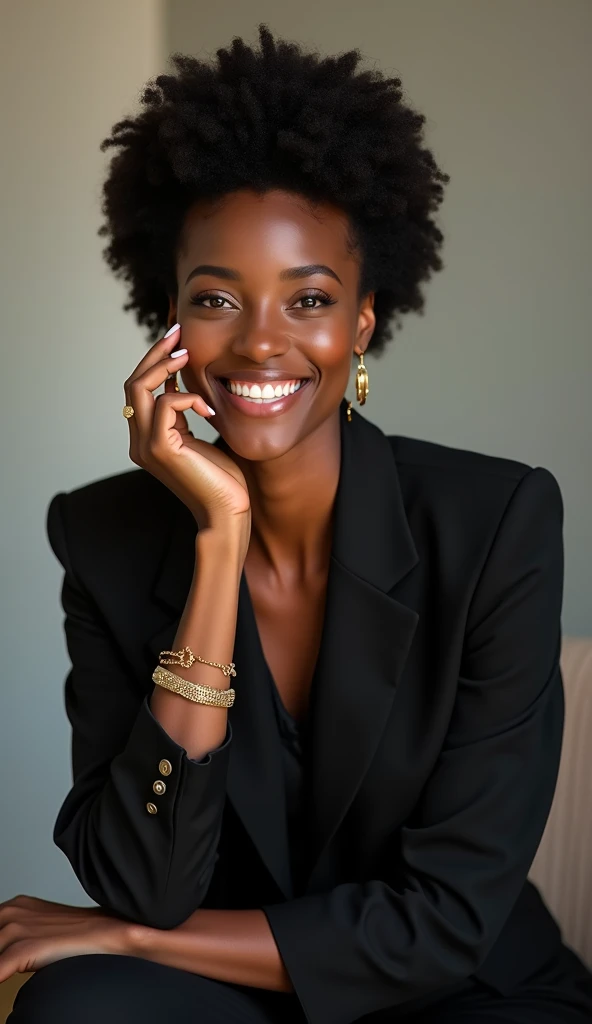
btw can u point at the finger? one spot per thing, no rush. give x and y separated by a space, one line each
171 387
168 408
9 965
163 347
157 352
141 390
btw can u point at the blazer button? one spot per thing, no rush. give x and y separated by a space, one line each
151 808
165 767
159 787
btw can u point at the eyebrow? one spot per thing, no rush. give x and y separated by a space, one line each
285 275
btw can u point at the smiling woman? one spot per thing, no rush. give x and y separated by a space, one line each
347 830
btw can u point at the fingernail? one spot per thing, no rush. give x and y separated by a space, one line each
179 352
211 411
172 329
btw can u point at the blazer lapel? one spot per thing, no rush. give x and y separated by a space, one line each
367 632
255 774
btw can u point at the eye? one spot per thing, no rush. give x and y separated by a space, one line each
199 300
318 295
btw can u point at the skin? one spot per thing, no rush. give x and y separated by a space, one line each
267 497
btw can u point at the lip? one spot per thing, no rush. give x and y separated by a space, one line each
256 409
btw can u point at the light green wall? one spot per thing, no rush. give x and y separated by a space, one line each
68 71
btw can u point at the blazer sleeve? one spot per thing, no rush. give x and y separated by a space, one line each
152 868
467 852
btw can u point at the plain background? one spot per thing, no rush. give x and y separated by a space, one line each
501 362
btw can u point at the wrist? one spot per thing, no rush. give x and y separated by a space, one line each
229 539
139 940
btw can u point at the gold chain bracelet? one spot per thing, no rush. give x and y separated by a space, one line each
196 692
185 657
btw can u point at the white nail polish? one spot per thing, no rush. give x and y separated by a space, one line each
179 352
171 329
211 411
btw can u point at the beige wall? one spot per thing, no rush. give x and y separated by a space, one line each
500 363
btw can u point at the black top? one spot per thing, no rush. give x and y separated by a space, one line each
293 738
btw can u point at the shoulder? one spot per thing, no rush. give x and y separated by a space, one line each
464 480
460 504
116 515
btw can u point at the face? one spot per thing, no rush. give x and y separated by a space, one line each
270 315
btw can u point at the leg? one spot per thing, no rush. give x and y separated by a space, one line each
110 989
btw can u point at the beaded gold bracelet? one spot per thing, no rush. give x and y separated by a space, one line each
196 692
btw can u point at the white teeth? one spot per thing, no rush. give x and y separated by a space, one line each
269 392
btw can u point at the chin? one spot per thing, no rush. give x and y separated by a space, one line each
260 442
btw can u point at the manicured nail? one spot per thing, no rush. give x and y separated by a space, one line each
172 329
211 411
179 352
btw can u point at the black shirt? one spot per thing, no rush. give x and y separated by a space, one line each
294 746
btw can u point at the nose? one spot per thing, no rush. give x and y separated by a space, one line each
260 339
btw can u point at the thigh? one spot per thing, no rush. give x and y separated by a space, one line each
559 993
111 989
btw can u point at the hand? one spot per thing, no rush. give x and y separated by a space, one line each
34 933
204 478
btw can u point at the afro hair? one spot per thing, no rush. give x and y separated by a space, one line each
277 117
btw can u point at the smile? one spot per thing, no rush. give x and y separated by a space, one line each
258 399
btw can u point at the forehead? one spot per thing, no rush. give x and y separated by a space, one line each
276 222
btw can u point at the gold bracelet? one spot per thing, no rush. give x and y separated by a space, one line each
185 657
196 692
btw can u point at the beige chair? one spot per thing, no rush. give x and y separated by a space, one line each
562 868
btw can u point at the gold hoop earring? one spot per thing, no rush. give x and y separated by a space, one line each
173 376
362 385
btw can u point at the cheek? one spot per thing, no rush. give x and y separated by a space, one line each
331 347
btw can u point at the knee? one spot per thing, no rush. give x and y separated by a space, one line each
74 990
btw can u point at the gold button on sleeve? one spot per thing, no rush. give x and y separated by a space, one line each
159 787
165 767
151 808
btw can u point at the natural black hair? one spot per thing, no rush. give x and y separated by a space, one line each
278 117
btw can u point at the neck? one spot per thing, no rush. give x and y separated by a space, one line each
292 499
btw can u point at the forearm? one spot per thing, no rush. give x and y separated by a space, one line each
236 946
208 627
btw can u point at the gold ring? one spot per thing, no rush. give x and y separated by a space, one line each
128 411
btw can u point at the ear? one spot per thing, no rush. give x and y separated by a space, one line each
366 324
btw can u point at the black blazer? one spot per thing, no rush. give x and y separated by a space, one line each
437 717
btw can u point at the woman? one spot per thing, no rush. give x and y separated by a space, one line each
326 808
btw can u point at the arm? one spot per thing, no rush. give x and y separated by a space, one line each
467 852
150 868
235 946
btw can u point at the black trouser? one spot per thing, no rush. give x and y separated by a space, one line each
106 989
